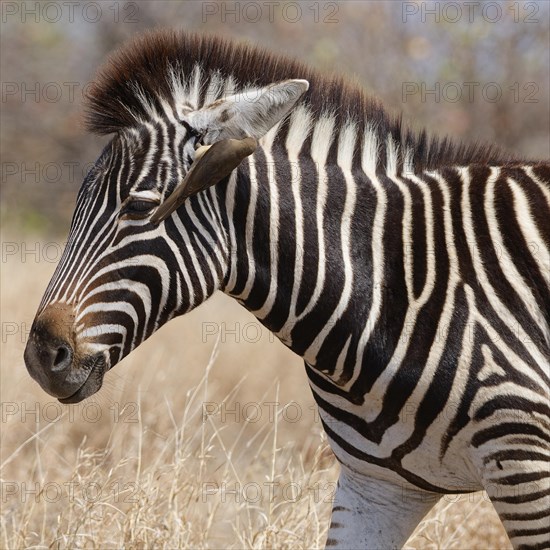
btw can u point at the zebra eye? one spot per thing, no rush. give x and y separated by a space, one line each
195 134
137 208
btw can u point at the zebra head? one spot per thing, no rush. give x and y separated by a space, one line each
147 241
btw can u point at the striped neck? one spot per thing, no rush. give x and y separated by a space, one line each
282 206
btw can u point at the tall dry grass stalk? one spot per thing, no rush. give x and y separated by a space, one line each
202 438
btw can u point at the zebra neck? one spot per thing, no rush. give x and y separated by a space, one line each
291 211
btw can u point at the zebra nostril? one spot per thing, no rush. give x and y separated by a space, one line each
62 358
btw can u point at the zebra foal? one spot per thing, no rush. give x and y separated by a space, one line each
412 275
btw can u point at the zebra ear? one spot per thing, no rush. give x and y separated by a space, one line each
212 165
252 112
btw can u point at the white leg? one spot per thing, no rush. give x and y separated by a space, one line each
370 513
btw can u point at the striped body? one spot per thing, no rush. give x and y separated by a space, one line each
457 257
417 292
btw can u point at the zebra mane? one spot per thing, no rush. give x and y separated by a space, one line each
144 76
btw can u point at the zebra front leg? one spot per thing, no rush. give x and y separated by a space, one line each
369 513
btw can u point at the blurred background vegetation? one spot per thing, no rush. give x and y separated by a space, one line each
400 51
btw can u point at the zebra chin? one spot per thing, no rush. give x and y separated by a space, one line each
94 379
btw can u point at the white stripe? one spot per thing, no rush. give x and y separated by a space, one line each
300 127
193 90
249 237
392 157
267 144
346 147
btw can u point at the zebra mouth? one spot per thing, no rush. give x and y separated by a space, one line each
93 382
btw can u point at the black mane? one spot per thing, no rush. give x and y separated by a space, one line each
145 64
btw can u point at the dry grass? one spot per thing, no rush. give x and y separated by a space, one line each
141 465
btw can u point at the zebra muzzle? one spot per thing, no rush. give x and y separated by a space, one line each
212 164
55 359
